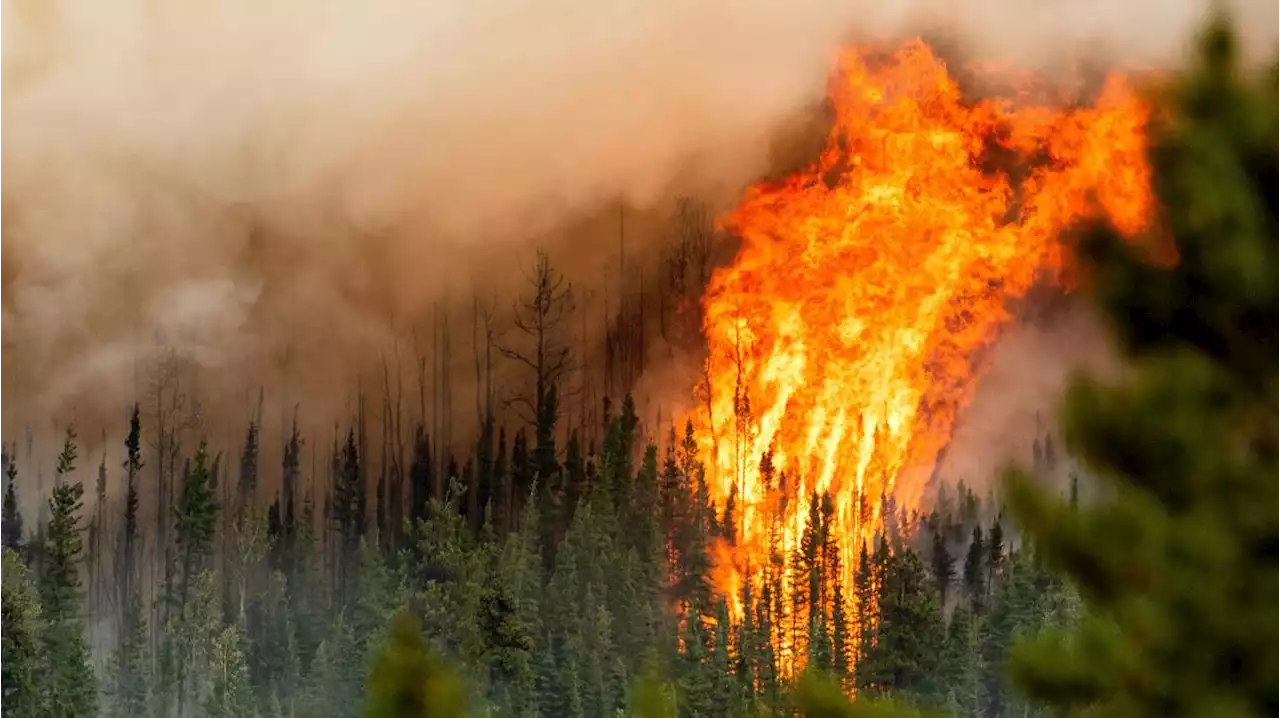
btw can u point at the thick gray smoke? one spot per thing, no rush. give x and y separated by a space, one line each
235 177
1015 402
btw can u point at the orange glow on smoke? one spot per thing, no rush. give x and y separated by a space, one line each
846 334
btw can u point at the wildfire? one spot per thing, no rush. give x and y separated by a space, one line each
845 337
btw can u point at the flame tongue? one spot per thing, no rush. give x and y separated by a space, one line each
844 336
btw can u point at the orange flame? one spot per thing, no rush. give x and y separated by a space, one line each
845 335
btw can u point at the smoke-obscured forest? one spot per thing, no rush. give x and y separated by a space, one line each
497 505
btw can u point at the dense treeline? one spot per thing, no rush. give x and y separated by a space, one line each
552 604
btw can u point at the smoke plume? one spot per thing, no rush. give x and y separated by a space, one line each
232 178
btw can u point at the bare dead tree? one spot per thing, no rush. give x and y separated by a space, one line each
541 320
442 398
436 382
420 364
584 388
175 413
393 469
483 340
692 237
446 354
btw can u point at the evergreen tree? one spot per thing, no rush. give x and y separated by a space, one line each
72 689
974 576
944 566
349 516
1178 565
11 519
515 620
195 527
129 538
247 487
866 581
334 677
995 555
420 475
905 657
23 672
129 686
290 476
963 665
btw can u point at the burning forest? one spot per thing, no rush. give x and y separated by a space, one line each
488 360
850 329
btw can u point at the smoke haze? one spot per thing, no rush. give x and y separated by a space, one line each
232 178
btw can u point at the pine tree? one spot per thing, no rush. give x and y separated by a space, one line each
944 566
349 517
865 594
695 675
974 576
195 526
520 478
12 517
333 686
72 689
274 657
906 654
1178 564
963 664
129 539
513 608
247 487
420 475
995 555
841 645
129 686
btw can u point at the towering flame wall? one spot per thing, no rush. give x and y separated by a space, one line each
844 338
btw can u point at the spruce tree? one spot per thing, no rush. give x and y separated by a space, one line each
974 574
905 657
129 538
195 527
513 610
944 566
290 476
420 475
130 665
72 688
196 522
11 519
247 486
1178 563
129 679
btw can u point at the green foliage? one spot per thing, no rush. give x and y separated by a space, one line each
409 681
579 583
1179 565
11 519
22 673
229 694
129 678
71 688
652 696
197 515
820 696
